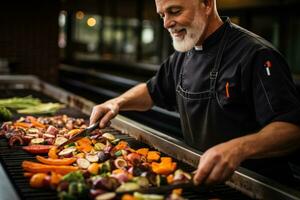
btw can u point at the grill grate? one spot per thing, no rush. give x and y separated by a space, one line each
11 159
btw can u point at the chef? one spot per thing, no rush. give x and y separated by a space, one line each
233 90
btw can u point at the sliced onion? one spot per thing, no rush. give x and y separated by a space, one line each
109 136
92 157
67 151
37 141
120 163
83 163
60 140
106 196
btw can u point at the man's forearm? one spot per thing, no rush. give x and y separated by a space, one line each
137 98
275 139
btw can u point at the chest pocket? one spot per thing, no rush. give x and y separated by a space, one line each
229 94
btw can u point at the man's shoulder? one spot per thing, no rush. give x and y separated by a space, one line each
248 40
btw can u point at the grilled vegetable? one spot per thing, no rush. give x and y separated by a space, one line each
19 102
83 163
127 187
94 168
53 152
74 177
120 163
38 180
106 196
5 114
99 146
43 108
67 152
109 136
38 149
92 157
51 161
42 168
106 183
37 141
60 140
140 196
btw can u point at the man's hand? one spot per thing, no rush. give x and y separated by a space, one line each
218 163
105 112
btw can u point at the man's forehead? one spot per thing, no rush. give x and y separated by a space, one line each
164 4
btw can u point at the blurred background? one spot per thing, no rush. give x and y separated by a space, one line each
99 49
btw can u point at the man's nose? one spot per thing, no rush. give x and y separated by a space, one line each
168 22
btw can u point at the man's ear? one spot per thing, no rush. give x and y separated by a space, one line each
209 4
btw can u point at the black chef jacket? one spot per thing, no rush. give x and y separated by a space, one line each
252 87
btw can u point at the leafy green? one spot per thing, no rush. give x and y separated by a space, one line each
5 114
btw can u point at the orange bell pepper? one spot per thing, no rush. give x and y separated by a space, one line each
84 144
74 131
53 153
52 161
121 145
153 156
143 151
165 167
42 168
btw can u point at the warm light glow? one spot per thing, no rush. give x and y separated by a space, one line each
91 21
79 15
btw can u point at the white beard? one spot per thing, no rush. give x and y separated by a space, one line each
191 37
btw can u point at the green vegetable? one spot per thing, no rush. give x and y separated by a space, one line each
5 114
65 196
76 176
43 108
140 196
30 105
19 102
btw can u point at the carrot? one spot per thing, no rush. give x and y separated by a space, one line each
28 174
37 149
52 161
53 153
38 124
42 168
22 125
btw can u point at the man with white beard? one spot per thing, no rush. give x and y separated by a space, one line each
233 90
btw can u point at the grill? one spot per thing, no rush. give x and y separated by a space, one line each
243 185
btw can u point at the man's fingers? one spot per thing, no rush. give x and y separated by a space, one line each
217 174
96 115
204 169
107 117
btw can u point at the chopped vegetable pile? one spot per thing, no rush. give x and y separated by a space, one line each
100 167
